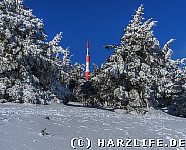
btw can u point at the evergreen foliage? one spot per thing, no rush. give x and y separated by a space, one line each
139 73
28 70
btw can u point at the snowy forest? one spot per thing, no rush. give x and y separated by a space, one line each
139 73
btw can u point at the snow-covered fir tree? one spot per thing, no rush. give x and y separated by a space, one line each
139 73
28 70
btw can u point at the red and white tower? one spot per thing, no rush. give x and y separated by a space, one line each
87 71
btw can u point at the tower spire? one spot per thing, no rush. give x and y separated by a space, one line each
87 71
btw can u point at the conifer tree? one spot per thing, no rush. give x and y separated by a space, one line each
139 73
28 71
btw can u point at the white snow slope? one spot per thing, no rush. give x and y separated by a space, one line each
21 125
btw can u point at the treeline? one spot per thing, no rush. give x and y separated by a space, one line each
139 73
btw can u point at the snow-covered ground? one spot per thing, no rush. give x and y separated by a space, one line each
21 125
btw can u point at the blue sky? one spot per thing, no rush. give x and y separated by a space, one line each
103 21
